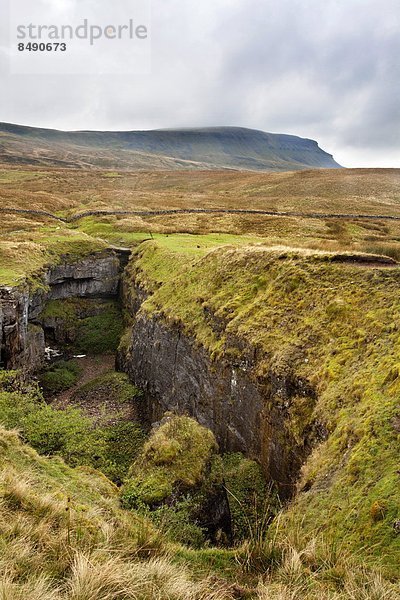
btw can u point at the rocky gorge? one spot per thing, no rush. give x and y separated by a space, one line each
247 413
258 346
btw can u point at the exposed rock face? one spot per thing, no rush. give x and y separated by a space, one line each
21 334
13 324
93 277
245 413
181 378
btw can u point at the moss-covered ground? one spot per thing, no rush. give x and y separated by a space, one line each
91 326
334 324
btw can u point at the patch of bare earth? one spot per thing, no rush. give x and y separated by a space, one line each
96 403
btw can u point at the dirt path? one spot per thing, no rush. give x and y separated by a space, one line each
92 367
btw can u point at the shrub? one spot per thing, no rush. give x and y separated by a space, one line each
84 324
176 456
60 376
177 523
53 431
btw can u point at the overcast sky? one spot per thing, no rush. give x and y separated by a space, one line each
322 69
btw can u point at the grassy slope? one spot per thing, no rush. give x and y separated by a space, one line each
334 324
64 537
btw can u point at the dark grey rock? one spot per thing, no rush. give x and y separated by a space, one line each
22 342
246 414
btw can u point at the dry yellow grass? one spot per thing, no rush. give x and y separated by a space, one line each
68 192
347 190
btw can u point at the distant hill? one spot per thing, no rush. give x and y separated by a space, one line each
170 149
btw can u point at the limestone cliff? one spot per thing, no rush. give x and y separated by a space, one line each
246 413
22 342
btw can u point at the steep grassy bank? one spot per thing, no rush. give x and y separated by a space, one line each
64 537
330 323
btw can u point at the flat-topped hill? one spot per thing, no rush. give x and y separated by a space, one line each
167 149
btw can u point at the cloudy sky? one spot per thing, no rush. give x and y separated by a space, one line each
323 69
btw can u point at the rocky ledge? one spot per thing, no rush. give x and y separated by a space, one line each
22 340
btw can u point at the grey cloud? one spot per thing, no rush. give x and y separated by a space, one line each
326 70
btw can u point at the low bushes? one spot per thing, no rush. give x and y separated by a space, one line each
61 376
68 433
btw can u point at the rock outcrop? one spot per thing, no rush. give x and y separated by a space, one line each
246 413
21 333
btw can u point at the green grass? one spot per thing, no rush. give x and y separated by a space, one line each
252 503
173 477
332 324
60 376
19 176
64 536
114 231
198 245
101 333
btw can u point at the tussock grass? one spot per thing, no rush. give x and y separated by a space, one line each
64 537
302 575
81 546
176 456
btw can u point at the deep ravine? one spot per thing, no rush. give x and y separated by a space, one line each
246 414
